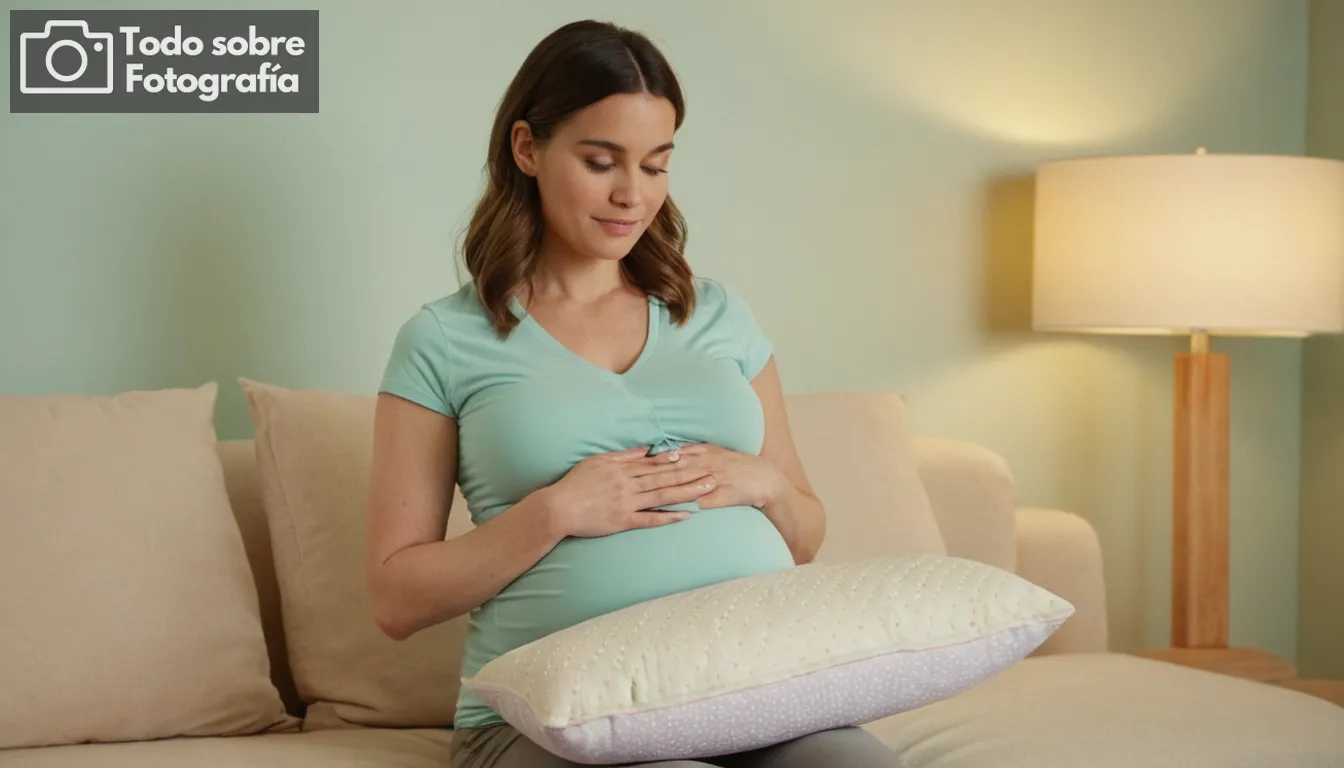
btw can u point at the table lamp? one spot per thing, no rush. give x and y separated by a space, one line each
1195 244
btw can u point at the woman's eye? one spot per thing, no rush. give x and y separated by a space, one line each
597 167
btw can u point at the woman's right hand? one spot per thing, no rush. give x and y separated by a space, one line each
612 492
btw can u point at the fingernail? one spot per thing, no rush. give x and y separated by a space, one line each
674 456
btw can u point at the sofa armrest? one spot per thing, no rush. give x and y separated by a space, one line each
973 494
1059 551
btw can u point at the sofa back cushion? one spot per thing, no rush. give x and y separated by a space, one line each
857 451
313 451
127 608
974 499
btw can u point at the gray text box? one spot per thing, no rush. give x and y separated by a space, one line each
163 61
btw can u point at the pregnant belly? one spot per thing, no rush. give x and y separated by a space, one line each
586 577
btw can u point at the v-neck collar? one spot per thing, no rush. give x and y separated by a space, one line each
650 337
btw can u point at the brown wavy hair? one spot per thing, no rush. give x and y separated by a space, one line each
573 67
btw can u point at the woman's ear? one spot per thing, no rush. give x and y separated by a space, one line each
524 148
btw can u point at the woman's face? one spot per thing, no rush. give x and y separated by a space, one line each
603 175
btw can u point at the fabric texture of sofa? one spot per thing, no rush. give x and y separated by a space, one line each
353 697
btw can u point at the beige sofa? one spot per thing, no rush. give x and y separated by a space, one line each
1071 704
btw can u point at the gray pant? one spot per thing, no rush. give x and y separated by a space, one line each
501 746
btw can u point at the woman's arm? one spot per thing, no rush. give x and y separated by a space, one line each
793 506
416 579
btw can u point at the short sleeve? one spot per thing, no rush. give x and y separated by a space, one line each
755 346
417 368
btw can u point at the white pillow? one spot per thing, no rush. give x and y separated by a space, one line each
766 658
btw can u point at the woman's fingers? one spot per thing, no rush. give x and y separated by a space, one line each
669 476
643 465
678 493
630 454
651 518
656 464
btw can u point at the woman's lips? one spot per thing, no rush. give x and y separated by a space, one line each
617 227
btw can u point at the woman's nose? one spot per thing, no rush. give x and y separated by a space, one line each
626 192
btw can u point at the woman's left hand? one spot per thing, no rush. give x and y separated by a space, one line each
742 479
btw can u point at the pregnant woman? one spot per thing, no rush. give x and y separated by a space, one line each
615 422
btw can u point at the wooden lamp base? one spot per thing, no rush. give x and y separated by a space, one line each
1200 538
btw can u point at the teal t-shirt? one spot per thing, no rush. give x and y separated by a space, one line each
528 409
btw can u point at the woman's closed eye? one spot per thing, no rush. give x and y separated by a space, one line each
597 167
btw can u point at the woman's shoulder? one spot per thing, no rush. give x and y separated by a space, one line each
426 361
711 291
459 303
724 314
717 299
437 328
458 311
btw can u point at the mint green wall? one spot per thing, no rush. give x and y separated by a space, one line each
860 170
1322 593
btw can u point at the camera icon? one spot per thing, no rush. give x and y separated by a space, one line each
38 70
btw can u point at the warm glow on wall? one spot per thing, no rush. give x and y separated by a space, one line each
997 69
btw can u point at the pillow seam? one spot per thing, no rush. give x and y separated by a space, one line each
289 521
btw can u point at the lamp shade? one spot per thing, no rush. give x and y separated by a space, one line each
1220 244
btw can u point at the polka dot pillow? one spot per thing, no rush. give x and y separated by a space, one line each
766 658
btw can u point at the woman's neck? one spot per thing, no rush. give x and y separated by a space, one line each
564 275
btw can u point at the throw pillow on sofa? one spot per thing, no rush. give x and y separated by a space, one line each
858 453
763 659
127 606
313 458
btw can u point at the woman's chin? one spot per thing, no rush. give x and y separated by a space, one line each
610 251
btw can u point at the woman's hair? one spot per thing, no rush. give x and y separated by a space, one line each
577 65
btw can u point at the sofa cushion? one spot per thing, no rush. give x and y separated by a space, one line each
356 748
973 495
1117 711
860 460
313 457
762 659
127 607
